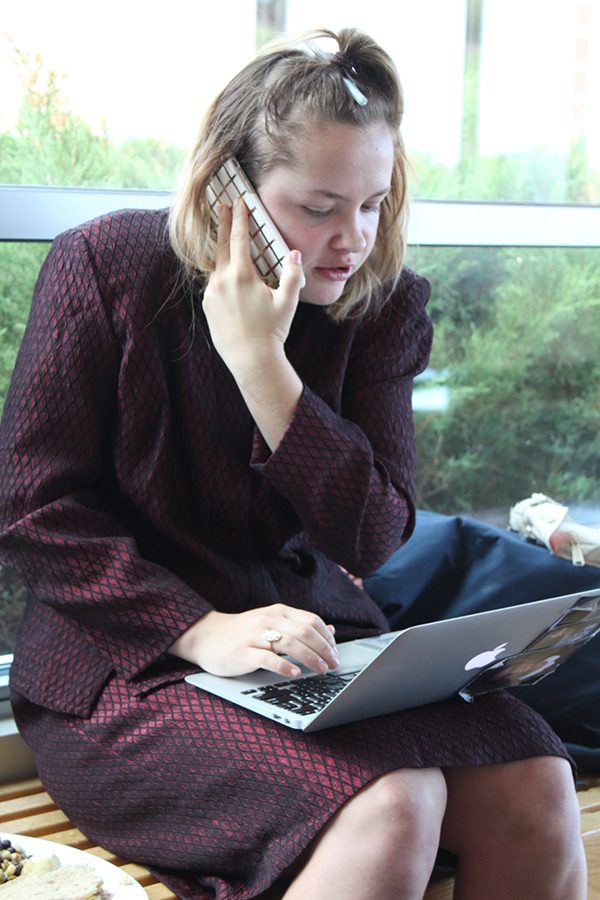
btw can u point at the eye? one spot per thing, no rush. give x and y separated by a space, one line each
372 207
317 213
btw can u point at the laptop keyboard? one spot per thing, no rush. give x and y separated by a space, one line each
303 696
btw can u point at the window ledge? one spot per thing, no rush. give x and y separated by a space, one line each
31 213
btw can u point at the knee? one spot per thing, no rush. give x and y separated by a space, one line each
412 803
544 810
383 841
409 805
554 810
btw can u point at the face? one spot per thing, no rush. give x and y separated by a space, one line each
327 204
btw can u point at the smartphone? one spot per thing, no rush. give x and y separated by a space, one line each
267 247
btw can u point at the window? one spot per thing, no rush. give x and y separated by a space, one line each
502 131
515 350
89 104
501 96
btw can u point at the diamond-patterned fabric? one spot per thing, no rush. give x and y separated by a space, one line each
135 491
136 494
219 802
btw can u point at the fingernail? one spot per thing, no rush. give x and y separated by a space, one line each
296 257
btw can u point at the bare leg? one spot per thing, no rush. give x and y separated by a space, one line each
382 843
516 830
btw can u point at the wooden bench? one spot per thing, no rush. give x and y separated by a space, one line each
25 808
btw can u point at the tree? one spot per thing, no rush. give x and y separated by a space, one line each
524 387
52 146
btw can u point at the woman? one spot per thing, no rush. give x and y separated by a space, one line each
190 467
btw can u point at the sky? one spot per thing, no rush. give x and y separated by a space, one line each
143 68
147 69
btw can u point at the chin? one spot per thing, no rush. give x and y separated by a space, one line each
321 295
312 301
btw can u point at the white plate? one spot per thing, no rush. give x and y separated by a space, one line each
119 884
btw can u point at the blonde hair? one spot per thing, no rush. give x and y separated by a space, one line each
256 118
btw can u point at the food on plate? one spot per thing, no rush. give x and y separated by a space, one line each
64 883
11 861
33 864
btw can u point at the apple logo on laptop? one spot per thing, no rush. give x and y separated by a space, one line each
485 658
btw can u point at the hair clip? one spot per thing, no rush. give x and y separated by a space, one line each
334 55
354 91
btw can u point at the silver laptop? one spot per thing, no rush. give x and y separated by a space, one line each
422 664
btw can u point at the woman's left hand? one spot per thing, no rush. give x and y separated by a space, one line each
248 321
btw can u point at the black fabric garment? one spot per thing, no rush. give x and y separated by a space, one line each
456 565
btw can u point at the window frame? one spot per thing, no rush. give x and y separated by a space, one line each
30 213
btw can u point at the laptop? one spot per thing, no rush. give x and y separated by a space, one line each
466 655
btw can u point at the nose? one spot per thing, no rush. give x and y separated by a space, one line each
350 235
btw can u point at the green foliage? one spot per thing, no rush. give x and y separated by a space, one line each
148 163
53 146
516 336
528 177
19 264
13 595
464 279
583 184
524 386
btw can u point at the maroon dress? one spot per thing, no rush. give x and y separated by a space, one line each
136 494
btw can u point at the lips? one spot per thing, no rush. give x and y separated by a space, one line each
334 273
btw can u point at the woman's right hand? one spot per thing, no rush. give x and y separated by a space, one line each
237 643
248 321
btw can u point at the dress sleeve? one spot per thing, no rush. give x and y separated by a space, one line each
56 529
351 476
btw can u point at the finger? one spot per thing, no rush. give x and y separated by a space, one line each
223 234
266 659
240 235
322 660
304 643
292 276
292 280
310 621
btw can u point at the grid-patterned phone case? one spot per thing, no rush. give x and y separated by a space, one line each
267 247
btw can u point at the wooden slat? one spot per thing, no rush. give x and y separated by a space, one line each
589 802
30 803
20 788
25 808
440 889
592 852
37 825
137 871
72 837
158 891
590 823
589 797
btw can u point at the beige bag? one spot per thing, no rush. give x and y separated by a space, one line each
541 519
